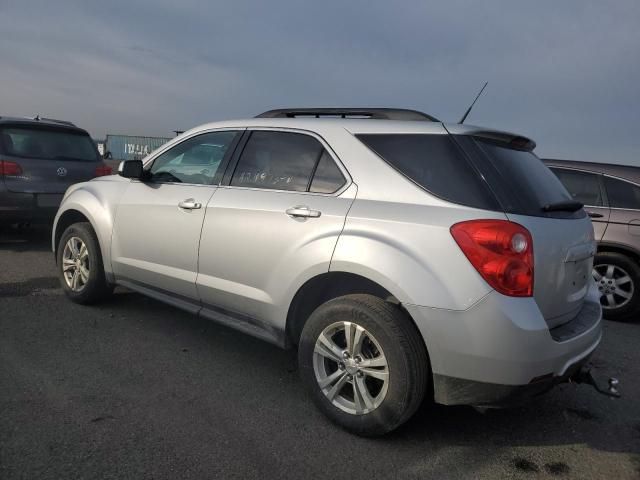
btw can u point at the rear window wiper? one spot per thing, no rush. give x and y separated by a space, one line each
563 206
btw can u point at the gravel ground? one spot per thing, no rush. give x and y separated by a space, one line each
136 389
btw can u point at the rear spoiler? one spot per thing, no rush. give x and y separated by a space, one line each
507 139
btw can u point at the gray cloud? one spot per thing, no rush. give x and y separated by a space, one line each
564 73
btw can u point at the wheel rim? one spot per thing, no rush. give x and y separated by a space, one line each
351 368
75 264
615 285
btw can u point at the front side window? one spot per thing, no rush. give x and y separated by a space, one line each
584 187
48 144
278 161
622 194
194 161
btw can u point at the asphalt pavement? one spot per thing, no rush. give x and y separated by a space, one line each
137 389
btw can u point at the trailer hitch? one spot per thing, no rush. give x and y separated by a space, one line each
585 375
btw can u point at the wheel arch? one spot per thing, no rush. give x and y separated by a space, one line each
83 205
68 218
623 249
327 286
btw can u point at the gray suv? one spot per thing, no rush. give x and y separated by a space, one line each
404 257
611 197
39 159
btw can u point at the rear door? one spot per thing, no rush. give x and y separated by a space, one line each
563 241
50 158
587 188
274 223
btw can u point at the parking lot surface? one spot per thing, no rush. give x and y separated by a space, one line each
137 389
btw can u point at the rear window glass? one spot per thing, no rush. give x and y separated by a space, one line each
435 163
48 144
622 194
522 183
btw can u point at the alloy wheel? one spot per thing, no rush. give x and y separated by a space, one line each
351 368
615 285
75 264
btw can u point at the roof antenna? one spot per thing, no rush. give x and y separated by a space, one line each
37 118
464 117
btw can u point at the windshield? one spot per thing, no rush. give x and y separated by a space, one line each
48 144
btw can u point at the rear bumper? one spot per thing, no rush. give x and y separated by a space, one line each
458 391
501 350
24 207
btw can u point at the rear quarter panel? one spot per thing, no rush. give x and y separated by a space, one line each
397 234
409 250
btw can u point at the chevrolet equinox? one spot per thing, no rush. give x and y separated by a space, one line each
407 259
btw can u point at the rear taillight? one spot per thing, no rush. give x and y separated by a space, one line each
103 170
8 168
501 252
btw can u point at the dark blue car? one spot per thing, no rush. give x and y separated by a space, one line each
39 159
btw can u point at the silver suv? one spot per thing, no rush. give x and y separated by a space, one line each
405 258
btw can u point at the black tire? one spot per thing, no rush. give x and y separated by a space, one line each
96 288
631 309
409 377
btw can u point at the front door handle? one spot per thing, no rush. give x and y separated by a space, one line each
594 214
302 211
190 204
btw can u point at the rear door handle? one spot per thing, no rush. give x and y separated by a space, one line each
595 215
302 211
190 204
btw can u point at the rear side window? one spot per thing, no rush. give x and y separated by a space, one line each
521 182
584 187
328 178
48 144
622 194
435 163
286 161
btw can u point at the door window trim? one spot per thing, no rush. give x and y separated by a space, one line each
217 178
622 180
599 177
233 163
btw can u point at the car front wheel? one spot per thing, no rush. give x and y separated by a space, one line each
80 267
365 364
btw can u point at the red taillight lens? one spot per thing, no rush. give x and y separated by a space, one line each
501 252
103 170
10 168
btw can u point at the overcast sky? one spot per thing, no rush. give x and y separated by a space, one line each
566 73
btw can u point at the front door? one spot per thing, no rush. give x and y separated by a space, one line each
158 221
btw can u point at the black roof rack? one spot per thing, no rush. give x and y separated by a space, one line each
371 113
38 118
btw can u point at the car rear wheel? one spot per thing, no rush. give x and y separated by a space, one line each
364 363
80 267
618 280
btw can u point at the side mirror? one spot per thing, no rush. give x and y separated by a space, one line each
131 169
